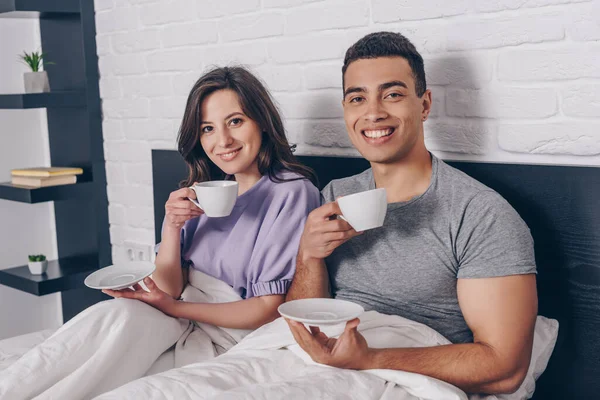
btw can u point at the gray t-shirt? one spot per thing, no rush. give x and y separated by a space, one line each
458 229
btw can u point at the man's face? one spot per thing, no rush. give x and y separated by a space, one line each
384 116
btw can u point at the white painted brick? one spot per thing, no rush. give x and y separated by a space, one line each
116 214
571 62
328 15
125 108
183 82
111 129
147 86
324 46
323 76
497 5
326 133
168 107
101 5
584 22
211 8
439 100
114 173
507 31
165 12
119 254
123 19
568 138
294 129
251 26
141 217
463 136
120 234
175 60
581 100
285 78
127 151
396 10
134 42
198 32
141 1
110 87
251 53
130 195
150 129
285 3
427 37
462 70
164 144
122 64
315 104
103 46
501 103
138 173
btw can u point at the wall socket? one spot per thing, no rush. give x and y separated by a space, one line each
138 251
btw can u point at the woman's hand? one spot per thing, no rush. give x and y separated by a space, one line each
154 297
179 209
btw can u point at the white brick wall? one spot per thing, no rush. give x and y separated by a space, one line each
512 80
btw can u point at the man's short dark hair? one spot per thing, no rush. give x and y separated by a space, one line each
388 44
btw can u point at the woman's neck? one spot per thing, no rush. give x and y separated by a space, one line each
247 179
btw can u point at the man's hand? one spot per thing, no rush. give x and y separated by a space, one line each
323 232
349 351
154 297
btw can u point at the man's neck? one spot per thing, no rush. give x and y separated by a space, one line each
406 178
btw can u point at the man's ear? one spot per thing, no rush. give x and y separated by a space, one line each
426 101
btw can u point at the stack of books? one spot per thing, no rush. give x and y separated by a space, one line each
44 176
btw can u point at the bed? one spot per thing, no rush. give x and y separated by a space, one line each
560 206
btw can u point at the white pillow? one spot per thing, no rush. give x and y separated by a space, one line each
544 339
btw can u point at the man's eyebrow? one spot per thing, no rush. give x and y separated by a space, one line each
390 84
354 89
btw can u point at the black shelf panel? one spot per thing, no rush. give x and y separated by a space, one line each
24 194
36 8
62 274
21 101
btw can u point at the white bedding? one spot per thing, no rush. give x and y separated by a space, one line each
268 364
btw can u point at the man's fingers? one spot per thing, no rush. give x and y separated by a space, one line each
352 325
326 211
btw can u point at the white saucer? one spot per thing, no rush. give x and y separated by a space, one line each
318 312
120 276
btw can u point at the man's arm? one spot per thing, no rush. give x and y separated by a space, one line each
322 234
501 313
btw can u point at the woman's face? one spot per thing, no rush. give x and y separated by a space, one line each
230 138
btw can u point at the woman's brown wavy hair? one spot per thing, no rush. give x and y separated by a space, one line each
275 154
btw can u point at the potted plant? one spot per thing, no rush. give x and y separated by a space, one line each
36 81
37 264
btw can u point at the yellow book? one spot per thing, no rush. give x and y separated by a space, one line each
43 182
45 172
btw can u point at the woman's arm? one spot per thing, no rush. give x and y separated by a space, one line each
169 275
244 314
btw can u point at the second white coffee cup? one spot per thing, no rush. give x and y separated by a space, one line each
364 210
215 198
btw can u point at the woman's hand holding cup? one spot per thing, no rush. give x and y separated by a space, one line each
179 209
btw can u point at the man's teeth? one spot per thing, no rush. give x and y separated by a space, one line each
378 133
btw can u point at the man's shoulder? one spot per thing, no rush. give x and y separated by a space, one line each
456 181
348 185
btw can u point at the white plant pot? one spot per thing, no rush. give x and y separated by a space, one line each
38 267
36 82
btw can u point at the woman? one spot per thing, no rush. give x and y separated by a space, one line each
231 130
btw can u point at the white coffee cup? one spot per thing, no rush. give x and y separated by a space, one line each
215 198
364 210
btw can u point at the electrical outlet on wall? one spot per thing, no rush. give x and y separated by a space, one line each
139 251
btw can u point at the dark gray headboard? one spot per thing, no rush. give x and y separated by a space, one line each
561 206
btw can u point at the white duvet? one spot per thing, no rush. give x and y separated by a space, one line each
266 364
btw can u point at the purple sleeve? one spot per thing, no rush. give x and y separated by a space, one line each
273 261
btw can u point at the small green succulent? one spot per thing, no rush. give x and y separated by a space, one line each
38 257
34 60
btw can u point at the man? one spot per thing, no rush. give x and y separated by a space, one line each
452 253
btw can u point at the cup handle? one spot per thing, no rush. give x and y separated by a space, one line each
195 201
339 216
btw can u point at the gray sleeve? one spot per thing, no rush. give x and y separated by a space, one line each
493 240
327 195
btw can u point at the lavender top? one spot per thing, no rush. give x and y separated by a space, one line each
254 248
